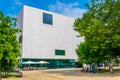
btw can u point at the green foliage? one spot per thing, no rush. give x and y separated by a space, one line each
101 27
10 75
83 51
9 46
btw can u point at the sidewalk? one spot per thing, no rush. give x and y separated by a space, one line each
65 74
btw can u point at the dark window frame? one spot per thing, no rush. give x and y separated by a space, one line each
20 39
59 52
47 18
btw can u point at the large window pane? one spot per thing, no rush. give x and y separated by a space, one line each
59 52
47 18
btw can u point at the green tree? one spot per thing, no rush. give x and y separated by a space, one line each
9 46
83 51
101 27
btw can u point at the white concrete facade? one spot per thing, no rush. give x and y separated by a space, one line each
40 40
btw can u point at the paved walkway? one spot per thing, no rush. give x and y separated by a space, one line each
71 74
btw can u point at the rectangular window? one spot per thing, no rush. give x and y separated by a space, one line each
72 60
47 18
59 52
20 39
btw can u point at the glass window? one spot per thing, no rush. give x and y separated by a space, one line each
47 18
72 60
59 52
20 39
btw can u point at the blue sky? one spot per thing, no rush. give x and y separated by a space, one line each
72 8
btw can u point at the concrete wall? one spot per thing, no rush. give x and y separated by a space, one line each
40 40
20 26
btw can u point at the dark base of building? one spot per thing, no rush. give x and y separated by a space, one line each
53 63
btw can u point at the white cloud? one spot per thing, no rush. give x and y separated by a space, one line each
17 2
71 10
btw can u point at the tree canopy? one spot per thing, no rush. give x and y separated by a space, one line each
101 27
9 46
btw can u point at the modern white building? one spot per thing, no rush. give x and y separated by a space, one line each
47 36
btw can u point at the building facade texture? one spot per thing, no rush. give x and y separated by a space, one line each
47 36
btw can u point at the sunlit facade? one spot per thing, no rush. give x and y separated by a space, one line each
47 36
